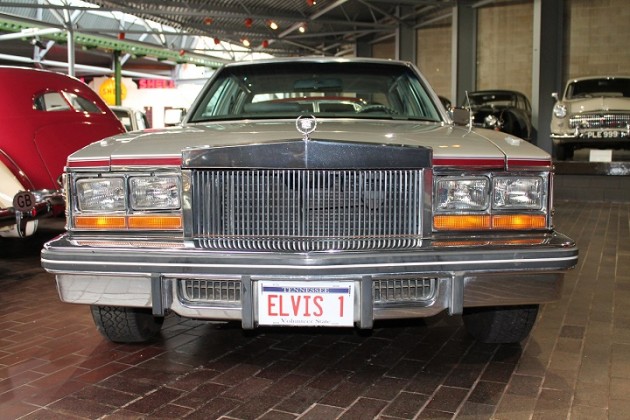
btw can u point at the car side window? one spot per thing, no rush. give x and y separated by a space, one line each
64 101
51 101
82 104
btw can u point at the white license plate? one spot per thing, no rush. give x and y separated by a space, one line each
306 303
609 134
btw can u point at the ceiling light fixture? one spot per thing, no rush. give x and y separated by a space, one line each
245 42
272 24
302 28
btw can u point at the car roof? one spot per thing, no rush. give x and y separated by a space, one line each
579 79
318 59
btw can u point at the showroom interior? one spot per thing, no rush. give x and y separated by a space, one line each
152 58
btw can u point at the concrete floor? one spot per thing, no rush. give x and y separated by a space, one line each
575 364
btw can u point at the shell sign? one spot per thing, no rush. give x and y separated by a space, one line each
107 91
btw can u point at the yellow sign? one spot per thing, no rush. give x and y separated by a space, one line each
107 91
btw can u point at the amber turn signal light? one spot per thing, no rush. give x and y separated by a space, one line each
100 222
157 222
487 222
154 221
519 221
462 222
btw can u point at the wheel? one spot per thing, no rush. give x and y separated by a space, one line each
126 325
500 324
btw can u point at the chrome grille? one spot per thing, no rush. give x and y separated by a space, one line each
306 210
211 291
600 120
390 290
403 290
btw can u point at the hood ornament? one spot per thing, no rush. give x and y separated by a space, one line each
306 124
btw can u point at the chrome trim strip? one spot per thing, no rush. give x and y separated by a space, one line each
307 268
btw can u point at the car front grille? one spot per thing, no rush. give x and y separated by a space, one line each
599 121
384 291
306 210
394 290
211 291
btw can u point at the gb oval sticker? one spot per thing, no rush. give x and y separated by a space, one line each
24 201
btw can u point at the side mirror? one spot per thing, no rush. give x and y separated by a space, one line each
555 95
460 116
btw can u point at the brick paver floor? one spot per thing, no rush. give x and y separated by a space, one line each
576 363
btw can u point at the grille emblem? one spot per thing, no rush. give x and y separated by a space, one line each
306 124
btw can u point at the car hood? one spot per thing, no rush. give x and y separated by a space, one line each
167 145
581 105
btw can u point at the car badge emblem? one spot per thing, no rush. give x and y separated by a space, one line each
306 124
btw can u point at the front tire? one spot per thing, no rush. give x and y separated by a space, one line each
126 325
500 324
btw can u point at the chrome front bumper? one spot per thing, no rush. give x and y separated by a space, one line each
151 274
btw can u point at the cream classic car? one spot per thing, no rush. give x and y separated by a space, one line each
257 211
594 112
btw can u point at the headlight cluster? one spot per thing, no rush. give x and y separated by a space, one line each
560 110
101 194
133 202
500 202
154 193
491 121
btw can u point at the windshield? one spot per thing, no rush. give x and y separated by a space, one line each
598 87
491 99
333 89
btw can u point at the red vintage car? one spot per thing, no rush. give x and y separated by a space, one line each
45 116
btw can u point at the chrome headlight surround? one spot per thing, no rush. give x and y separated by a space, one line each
129 201
491 121
518 193
516 201
100 194
560 110
154 192
461 194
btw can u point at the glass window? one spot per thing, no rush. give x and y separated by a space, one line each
51 101
64 101
338 89
81 104
608 87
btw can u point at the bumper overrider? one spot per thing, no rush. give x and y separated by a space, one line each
181 277
29 206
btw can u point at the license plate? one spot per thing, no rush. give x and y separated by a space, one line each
607 134
306 303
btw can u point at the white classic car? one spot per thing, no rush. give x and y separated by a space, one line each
132 119
268 211
594 112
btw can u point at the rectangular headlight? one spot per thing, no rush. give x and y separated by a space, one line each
102 194
154 193
518 193
462 194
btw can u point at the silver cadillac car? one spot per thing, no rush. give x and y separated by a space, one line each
311 192
594 112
